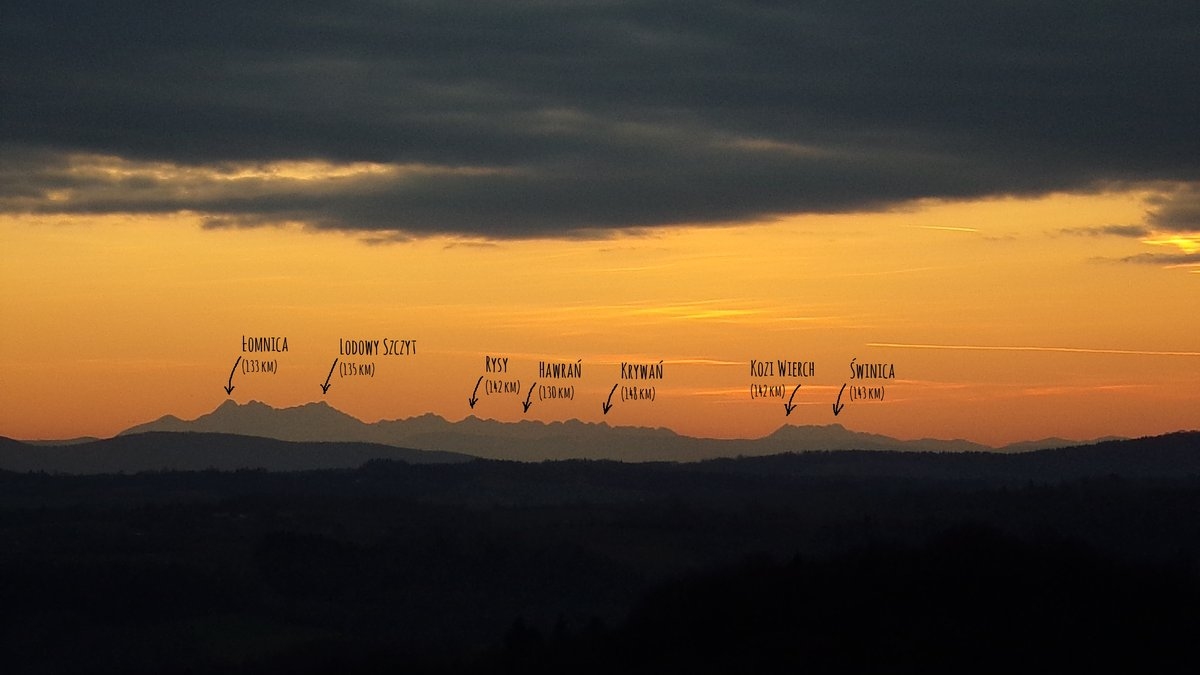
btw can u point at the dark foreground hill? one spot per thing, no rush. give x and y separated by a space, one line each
187 451
1167 456
1170 455
820 562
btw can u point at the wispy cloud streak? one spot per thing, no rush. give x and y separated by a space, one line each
1032 348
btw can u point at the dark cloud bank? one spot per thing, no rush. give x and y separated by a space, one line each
524 119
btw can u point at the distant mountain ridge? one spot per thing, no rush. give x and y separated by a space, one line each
537 441
198 451
1170 456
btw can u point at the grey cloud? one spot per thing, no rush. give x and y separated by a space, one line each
1178 211
578 117
1163 259
1133 231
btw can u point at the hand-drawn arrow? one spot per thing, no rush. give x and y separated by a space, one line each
325 387
608 404
837 407
788 407
527 402
474 400
229 387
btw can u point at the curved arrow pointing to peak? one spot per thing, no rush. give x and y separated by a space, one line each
325 387
788 407
527 402
229 386
474 400
837 406
608 404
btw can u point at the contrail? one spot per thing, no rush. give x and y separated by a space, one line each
946 228
1021 348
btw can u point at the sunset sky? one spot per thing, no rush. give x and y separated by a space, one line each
1002 200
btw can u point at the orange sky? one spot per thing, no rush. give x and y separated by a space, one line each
113 320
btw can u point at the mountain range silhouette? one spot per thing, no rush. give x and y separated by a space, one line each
537 441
